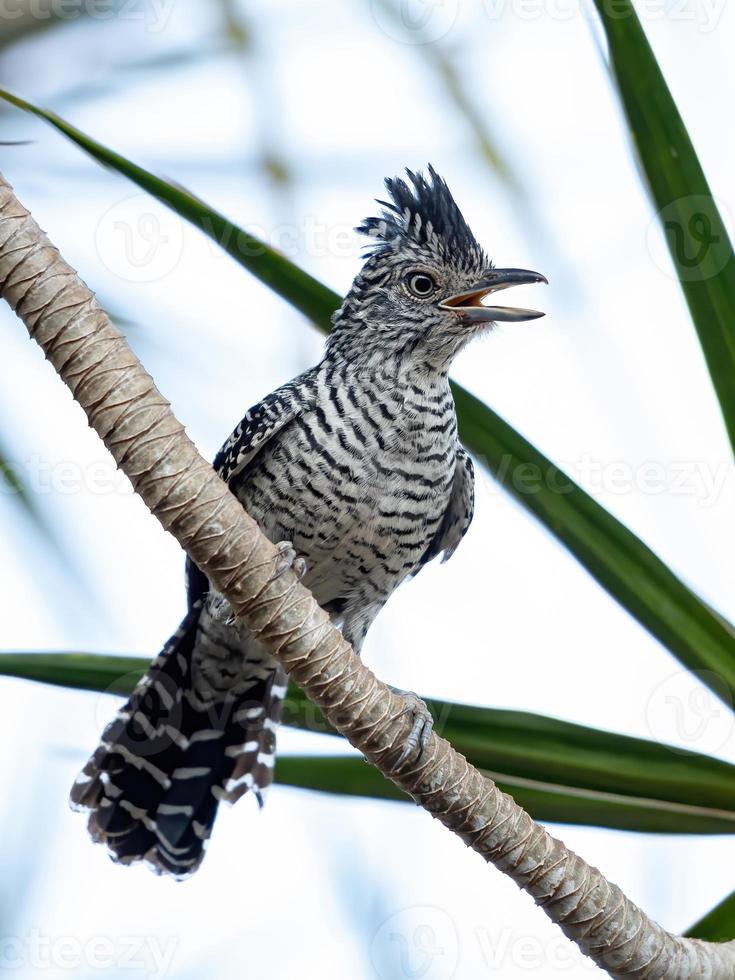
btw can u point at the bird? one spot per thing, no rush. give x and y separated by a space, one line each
354 470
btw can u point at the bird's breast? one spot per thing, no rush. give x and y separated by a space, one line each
359 483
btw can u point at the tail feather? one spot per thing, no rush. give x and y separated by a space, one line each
168 759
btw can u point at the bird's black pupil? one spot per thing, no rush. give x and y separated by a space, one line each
422 285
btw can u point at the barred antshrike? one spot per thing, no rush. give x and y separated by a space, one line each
355 469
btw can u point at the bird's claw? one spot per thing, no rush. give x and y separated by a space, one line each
288 558
423 726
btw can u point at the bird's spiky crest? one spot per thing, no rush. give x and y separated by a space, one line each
423 212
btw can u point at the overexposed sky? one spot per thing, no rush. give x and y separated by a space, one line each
611 384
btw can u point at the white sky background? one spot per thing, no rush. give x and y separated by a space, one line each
316 885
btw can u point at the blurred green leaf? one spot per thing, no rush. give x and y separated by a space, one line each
718 926
700 638
86 671
24 22
11 483
562 771
695 233
13 486
445 64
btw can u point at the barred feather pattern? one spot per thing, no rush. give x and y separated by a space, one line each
170 757
362 484
357 463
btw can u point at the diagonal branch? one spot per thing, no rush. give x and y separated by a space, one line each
182 491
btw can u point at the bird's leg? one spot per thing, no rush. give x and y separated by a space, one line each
423 725
288 558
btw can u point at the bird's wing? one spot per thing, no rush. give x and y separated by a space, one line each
259 425
262 422
458 515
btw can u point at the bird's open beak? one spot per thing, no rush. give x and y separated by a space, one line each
469 304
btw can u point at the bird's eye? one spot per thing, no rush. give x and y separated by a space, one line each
420 284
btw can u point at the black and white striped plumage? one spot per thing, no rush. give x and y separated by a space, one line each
357 463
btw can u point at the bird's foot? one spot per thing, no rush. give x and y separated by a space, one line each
220 609
288 558
423 725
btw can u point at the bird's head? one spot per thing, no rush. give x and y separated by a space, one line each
419 294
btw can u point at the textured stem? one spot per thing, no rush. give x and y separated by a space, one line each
182 490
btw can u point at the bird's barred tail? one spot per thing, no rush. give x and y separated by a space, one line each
168 759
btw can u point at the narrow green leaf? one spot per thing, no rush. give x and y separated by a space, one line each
718 926
84 671
563 771
695 233
699 637
346 775
300 289
543 754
